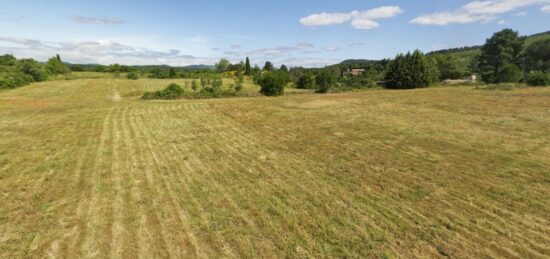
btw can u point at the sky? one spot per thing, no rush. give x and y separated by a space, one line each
293 32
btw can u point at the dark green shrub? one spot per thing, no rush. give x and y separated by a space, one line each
132 75
306 81
272 83
324 80
510 73
31 68
14 80
412 71
537 78
55 66
172 91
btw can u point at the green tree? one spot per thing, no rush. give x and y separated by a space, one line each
501 49
55 66
247 68
222 65
268 66
132 75
194 86
172 73
284 68
306 81
448 67
537 56
411 71
272 83
537 78
325 79
7 60
32 68
509 73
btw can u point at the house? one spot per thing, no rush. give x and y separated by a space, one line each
356 72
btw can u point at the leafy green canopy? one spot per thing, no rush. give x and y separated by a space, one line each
501 55
412 71
272 83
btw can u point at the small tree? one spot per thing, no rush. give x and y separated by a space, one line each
272 83
223 65
537 78
284 68
448 67
325 79
537 56
194 86
55 66
411 71
32 68
509 73
247 68
172 73
306 81
132 75
268 66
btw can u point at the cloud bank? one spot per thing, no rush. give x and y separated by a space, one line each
96 20
476 11
359 19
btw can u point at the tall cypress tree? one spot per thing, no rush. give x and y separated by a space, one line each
247 69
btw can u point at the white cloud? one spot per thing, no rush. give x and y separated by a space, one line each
524 13
96 20
236 46
323 19
545 9
502 22
307 62
100 51
281 50
359 19
332 48
476 11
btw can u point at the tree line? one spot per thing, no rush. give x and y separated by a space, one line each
19 72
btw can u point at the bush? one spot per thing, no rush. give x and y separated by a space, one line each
411 71
32 68
172 91
132 75
14 80
55 66
324 80
537 78
510 73
272 83
306 81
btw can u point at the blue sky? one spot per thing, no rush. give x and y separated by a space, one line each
294 32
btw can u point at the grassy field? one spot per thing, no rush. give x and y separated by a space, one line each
88 169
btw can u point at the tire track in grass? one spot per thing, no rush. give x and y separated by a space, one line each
182 174
118 230
206 169
295 165
189 239
137 245
236 150
88 189
60 246
150 221
90 241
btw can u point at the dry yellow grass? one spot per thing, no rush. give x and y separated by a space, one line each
87 169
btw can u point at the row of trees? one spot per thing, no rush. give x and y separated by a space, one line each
15 73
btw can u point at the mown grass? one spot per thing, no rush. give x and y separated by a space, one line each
87 169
